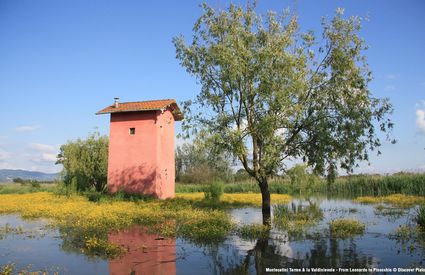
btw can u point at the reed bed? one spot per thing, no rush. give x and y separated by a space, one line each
351 186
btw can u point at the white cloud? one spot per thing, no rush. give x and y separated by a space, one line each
26 128
48 157
44 148
34 157
420 120
390 76
44 153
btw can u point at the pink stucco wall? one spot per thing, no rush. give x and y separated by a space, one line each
165 151
142 163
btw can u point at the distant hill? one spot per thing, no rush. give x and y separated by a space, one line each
9 175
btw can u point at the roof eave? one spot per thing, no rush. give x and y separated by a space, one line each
126 111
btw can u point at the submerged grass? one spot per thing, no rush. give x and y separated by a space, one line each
344 228
399 200
10 269
391 212
16 230
86 224
296 218
420 217
253 231
409 236
404 232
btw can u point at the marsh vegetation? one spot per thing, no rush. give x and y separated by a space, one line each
219 217
230 227
348 186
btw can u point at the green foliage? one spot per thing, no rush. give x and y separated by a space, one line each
369 185
212 227
200 162
63 189
85 163
35 184
270 92
343 228
301 179
18 180
242 187
26 188
352 186
93 196
214 191
241 175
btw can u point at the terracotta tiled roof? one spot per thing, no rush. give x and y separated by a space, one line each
140 106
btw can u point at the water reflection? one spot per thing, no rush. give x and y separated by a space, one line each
324 253
145 253
149 253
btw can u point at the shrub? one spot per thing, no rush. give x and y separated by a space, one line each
35 184
215 191
65 189
93 196
18 180
85 162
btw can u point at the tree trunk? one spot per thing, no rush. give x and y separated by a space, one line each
265 194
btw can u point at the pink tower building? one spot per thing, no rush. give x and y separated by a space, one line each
141 147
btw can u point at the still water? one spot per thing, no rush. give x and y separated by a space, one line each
37 247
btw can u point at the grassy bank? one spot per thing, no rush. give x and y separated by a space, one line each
353 186
17 188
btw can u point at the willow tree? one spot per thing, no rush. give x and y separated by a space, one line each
270 93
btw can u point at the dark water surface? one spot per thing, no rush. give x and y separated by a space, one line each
37 247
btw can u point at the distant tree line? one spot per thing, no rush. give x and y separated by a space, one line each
199 162
34 183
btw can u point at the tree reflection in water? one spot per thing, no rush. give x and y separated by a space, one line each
150 254
324 253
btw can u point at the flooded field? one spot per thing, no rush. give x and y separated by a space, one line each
389 240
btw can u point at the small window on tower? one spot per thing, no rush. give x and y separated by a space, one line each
132 131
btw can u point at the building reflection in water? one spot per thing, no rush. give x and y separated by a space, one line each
146 253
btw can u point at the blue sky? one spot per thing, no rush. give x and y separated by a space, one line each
61 61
